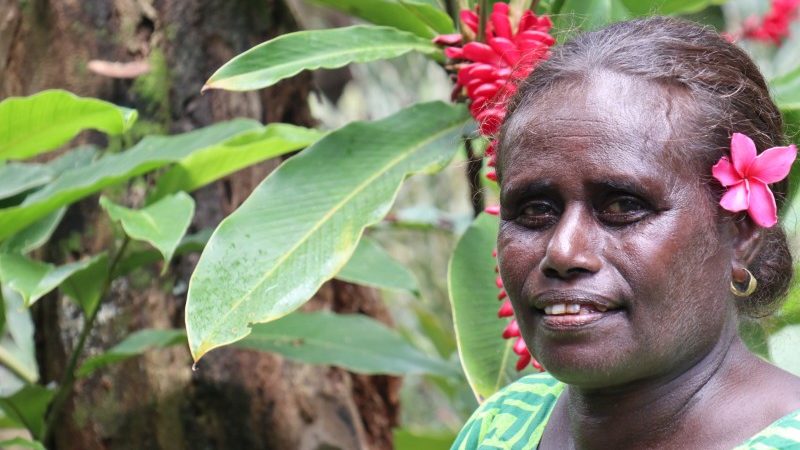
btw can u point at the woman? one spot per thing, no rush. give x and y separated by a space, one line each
627 275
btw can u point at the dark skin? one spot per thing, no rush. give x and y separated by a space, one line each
600 208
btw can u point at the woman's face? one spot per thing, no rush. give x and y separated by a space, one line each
609 246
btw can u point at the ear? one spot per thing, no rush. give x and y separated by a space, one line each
747 241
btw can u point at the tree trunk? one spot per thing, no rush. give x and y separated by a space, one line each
236 399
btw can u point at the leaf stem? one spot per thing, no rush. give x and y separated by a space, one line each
474 165
8 361
483 10
68 380
11 363
452 10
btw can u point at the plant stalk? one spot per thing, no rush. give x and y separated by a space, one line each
483 10
8 360
451 6
68 379
474 165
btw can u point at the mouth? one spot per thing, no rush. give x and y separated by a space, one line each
572 310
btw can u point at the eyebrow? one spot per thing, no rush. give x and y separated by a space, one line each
636 188
538 187
522 190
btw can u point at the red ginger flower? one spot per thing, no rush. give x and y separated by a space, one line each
493 69
747 177
774 26
489 74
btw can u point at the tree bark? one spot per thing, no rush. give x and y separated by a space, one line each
236 399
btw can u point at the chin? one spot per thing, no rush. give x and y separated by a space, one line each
591 364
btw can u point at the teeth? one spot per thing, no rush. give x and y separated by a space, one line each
567 308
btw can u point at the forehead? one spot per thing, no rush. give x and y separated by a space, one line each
605 125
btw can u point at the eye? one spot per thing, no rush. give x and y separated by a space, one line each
624 210
537 214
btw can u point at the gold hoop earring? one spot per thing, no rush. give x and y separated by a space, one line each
752 284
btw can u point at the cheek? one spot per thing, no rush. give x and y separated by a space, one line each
518 255
679 286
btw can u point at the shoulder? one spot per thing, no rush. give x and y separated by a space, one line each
521 409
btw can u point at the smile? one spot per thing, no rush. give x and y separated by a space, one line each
572 310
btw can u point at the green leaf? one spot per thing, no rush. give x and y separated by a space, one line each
301 225
486 357
85 286
44 121
590 15
215 162
21 442
370 265
133 259
785 90
353 341
16 178
161 224
149 154
783 348
35 235
418 17
35 279
289 54
666 7
17 348
133 345
28 407
405 439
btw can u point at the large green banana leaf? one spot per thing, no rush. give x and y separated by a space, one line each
33 125
302 224
289 54
486 357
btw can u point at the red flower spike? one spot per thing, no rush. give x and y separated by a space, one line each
499 282
505 310
448 39
774 26
490 120
500 8
519 347
493 210
523 361
488 74
454 52
480 52
470 19
494 251
536 365
512 330
501 24
490 149
506 49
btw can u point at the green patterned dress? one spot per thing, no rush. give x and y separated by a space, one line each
514 419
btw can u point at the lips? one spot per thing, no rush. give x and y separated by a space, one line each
562 310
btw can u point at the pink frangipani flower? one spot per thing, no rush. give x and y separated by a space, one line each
748 177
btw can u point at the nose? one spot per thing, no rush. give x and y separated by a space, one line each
573 248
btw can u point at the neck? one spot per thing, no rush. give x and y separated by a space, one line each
646 413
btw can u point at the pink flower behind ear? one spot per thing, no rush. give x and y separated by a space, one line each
748 176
